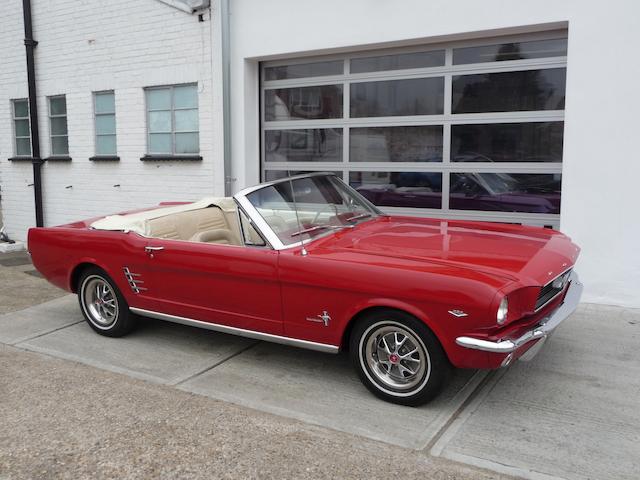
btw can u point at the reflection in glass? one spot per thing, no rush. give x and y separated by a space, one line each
509 91
396 144
301 70
507 142
511 51
506 192
398 61
399 189
20 108
304 145
58 105
323 101
419 96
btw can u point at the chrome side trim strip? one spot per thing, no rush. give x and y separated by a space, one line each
542 330
320 347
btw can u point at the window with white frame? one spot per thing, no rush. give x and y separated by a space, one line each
21 127
58 125
461 130
104 104
172 120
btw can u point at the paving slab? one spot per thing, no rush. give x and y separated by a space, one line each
324 390
156 351
38 320
573 412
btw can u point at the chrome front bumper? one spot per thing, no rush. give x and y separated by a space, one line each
540 332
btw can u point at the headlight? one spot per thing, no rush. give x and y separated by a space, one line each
501 317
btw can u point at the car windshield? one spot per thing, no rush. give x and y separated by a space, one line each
304 208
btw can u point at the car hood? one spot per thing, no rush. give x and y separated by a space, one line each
530 254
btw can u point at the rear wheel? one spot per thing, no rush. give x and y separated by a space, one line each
102 304
398 358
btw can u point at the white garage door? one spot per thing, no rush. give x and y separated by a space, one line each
463 130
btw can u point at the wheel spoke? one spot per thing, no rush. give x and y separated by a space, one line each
407 355
386 346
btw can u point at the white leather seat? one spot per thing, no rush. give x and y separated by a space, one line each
202 225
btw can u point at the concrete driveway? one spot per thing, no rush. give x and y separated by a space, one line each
574 412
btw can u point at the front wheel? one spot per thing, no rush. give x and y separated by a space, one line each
103 306
398 358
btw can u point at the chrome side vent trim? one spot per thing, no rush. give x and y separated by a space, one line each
133 281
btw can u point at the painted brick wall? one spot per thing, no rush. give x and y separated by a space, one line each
92 45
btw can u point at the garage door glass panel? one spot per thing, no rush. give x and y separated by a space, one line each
506 192
398 61
301 103
510 51
396 144
272 175
507 142
304 145
509 91
302 70
420 96
399 189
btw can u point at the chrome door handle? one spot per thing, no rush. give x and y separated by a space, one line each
153 249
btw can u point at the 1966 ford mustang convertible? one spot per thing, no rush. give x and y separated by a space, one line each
307 261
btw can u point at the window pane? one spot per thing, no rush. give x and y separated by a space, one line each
187 143
311 145
186 120
185 96
506 192
159 122
158 99
317 69
22 128
160 143
105 103
510 51
509 91
396 144
59 146
398 62
20 108
507 142
57 105
105 124
421 96
399 189
58 125
106 145
303 103
23 146
271 175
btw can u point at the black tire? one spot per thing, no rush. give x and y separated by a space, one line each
385 369
108 314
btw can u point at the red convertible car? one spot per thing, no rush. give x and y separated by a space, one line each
307 261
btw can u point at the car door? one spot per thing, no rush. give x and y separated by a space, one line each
230 285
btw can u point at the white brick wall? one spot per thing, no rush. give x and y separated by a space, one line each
92 45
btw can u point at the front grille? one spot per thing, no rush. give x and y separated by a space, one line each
549 292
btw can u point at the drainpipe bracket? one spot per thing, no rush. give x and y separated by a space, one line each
30 42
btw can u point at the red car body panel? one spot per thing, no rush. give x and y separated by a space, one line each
426 267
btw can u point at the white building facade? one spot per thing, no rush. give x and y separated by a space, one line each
493 111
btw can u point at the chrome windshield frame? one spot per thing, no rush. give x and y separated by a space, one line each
263 226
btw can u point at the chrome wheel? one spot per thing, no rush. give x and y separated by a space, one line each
99 302
395 357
